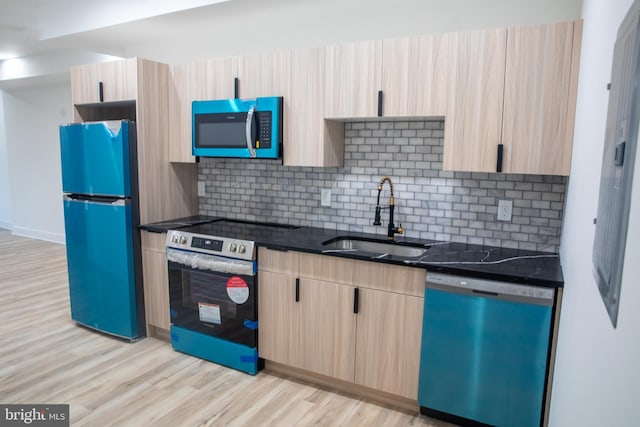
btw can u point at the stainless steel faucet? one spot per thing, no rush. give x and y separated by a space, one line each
392 230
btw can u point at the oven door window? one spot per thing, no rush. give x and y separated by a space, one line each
218 304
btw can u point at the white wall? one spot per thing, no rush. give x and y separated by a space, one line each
250 26
597 367
5 204
31 118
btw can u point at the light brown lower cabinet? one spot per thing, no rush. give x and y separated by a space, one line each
388 342
278 313
156 283
378 347
327 338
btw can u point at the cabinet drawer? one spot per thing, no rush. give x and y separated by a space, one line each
153 241
390 278
278 261
326 268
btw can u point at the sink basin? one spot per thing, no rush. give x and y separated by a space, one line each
376 247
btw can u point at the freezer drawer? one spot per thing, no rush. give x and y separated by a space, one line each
485 354
102 286
96 158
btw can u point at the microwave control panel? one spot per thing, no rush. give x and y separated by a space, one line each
264 130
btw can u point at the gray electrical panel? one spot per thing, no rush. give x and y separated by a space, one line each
621 137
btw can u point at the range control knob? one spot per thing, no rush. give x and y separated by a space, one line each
232 247
241 249
174 238
183 240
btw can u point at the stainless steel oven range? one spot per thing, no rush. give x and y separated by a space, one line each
213 291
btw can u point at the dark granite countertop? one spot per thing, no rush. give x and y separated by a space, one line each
487 262
173 224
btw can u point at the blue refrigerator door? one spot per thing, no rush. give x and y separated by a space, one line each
95 158
101 265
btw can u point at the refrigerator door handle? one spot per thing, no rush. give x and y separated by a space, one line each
103 200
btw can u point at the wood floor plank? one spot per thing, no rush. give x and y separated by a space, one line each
46 358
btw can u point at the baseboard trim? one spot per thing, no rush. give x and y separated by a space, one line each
6 224
38 234
404 404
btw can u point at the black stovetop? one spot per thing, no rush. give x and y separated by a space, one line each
241 230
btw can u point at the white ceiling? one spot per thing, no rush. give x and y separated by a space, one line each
29 27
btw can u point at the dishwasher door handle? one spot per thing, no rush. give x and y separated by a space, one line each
486 293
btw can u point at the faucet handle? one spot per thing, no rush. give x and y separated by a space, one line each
400 229
376 220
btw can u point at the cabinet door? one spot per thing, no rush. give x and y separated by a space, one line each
118 78
309 139
202 80
537 99
156 288
414 76
473 124
353 79
327 329
278 314
264 75
388 342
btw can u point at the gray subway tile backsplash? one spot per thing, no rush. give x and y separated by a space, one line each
430 203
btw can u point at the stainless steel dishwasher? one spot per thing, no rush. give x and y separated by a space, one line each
485 351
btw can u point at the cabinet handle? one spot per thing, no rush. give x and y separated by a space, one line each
100 92
379 103
236 87
500 153
297 289
356 300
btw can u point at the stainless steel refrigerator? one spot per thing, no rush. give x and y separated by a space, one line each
99 181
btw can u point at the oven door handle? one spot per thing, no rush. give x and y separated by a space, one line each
211 262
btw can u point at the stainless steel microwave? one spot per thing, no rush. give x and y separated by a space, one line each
244 128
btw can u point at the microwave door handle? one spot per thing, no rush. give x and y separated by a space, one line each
248 133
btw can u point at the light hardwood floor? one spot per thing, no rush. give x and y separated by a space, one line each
46 358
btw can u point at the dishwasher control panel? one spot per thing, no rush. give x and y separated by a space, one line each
490 288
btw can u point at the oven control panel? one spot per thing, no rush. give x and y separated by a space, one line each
223 246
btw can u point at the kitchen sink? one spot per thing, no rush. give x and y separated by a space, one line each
376 247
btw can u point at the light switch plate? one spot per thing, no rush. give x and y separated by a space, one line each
201 189
504 210
325 197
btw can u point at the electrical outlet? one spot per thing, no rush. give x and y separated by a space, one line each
504 210
201 189
325 197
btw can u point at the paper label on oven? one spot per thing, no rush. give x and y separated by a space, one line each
237 289
209 313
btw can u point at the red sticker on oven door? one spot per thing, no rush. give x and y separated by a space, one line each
237 289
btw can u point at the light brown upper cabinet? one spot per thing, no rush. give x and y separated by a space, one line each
539 98
298 76
401 77
104 82
353 79
198 81
414 76
263 74
473 123
309 139
515 88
